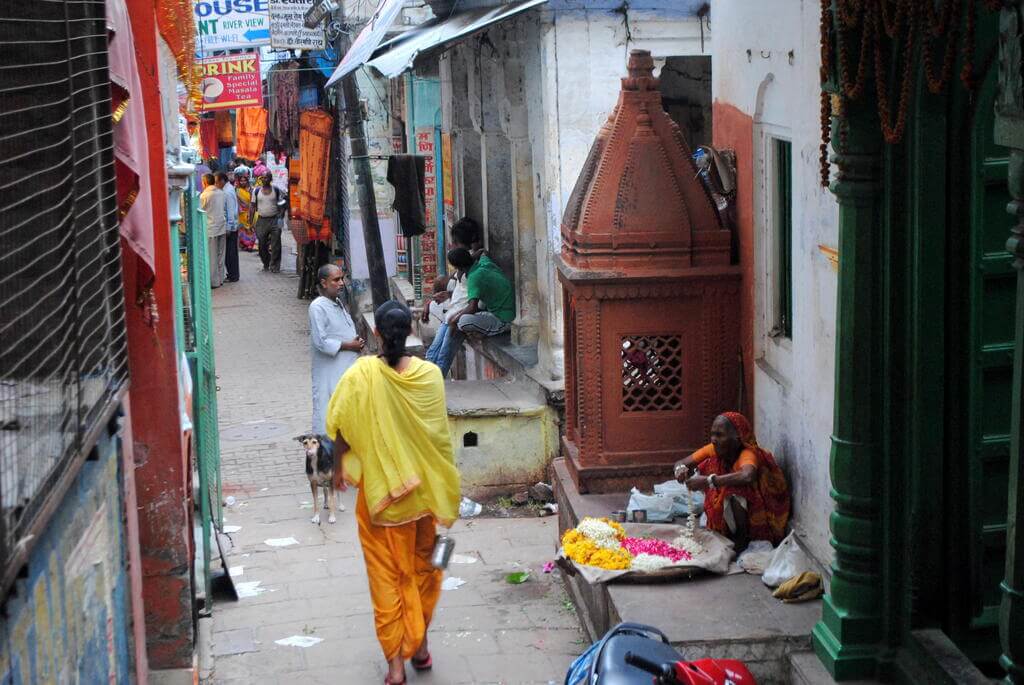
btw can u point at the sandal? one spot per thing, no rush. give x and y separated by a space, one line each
424 664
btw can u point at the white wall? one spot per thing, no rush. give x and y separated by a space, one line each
776 83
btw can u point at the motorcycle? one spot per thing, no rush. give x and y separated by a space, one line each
636 654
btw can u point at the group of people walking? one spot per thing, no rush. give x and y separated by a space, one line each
240 216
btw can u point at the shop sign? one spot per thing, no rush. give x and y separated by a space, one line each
287 27
230 81
447 179
428 242
231 24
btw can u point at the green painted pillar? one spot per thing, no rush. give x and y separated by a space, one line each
1009 131
849 636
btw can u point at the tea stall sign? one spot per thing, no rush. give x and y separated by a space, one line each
230 82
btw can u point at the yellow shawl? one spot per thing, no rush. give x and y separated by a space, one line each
396 426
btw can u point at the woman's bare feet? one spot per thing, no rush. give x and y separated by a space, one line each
396 671
422 653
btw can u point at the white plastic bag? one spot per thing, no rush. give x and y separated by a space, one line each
756 557
660 508
787 560
681 495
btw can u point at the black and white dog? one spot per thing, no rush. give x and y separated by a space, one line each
320 471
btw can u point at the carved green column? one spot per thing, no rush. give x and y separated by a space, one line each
1009 131
848 638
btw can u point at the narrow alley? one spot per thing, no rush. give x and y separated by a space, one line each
485 631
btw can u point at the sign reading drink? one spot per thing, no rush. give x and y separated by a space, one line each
287 26
228 24
230 81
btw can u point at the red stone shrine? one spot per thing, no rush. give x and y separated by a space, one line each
651 300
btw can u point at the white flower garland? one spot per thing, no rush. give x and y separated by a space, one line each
599 532
649 563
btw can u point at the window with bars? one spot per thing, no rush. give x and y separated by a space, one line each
782 218
63 359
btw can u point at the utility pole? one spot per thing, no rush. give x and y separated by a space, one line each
356 127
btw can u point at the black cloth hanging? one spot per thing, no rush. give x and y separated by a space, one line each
407 173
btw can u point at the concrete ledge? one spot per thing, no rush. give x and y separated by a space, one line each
412 344
503 433
710 616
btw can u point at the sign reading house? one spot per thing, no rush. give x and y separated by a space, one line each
231 24
230 82
288 29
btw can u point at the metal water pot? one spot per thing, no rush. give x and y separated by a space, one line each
443 548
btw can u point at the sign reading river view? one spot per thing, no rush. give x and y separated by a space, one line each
228 24
230 81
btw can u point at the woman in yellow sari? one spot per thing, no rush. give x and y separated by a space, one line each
246 233
389 421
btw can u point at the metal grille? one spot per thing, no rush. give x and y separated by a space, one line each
63 354
652 373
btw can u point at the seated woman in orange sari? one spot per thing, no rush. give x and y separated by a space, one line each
390 423
746 496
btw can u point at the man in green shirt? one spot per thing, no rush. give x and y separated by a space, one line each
490 306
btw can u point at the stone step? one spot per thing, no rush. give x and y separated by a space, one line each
413 344
504 435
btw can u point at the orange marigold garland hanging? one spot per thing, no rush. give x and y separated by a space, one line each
888 32
177 26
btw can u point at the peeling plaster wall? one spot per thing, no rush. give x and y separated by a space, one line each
760 95
67 620
561 79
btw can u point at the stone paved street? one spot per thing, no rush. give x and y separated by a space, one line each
486 631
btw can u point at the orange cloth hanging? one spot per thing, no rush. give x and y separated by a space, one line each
225 131
252 131
314 153
294 197
208 138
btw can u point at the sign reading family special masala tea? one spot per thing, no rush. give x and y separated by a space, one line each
288 30
230 81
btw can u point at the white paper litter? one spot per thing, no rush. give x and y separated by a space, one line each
463 559
280 542
298 641
251 589
236 571
232 529
264 489
452 583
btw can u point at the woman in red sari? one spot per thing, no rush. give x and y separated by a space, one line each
745 492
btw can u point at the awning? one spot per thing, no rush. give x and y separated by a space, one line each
398 55
369 39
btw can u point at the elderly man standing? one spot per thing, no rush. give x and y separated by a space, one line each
231 235
214 203
334 342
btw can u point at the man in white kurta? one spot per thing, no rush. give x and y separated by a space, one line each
333 341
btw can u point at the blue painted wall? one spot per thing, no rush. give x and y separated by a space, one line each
67 621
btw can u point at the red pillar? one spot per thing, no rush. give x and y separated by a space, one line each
161 457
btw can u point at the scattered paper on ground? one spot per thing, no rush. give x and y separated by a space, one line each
452 583
463 559
280 542
299 641
251 589
236 571
232 529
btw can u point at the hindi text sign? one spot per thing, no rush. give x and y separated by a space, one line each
288 29
230 81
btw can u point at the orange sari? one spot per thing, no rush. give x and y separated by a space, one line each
252 131
315 128
767 498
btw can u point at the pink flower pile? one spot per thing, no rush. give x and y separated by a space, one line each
637 546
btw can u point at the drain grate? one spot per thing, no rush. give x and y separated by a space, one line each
253 430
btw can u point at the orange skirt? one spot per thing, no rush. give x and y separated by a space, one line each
315 128
404 586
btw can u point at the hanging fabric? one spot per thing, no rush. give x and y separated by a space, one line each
315 128
294 196
407 174
208 138
225 131
252 130
283 86
131 154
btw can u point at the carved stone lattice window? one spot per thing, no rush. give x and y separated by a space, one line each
652 373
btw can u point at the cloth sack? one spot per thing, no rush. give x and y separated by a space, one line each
788 560
802 588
